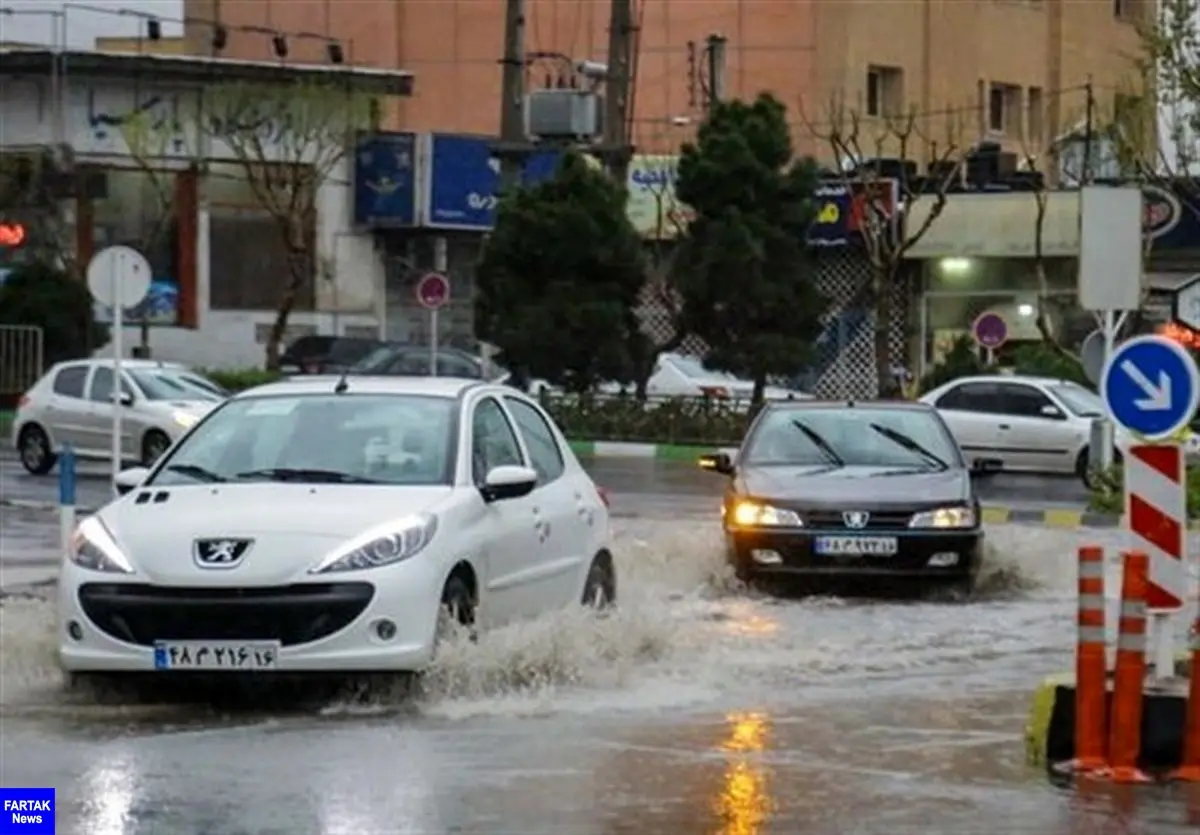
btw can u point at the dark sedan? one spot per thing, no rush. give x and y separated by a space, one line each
850 490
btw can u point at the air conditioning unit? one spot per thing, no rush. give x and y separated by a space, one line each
563 114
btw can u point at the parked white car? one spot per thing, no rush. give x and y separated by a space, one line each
323 525
1032 424
679 375
73 403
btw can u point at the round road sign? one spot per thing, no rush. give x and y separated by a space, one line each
118 275
990 330
433 291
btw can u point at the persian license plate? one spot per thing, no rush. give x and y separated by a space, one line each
856 546
217 656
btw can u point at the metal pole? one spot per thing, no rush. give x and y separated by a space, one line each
1104 455
66 496
512 102
433 342
618 87
118 340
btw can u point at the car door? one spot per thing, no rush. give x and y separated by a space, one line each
567 503
514 543
65 411
1035 432
969 410
98 420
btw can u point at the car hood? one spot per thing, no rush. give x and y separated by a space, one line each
826 486
293 526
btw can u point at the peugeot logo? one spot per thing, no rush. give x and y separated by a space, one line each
221 553
856 519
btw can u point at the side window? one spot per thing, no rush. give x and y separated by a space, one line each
493 441
1023 401
410 364
101 390
452 366
971 397
544 453
69 381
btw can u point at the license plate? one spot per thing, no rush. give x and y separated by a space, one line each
856 546
233 656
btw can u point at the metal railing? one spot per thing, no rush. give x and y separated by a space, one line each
22 354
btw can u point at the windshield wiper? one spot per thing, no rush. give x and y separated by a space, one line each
196 472
310 476
820 443
908 443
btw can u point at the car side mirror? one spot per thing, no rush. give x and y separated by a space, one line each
130 479
508 482
1051 411
125 398
717 462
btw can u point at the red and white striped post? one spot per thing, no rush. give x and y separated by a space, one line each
1156 514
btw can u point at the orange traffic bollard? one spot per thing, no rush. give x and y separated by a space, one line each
1189 769
1091 666
1129 676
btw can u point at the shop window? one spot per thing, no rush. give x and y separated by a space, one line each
248 262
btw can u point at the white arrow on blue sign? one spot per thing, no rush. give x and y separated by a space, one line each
1151 386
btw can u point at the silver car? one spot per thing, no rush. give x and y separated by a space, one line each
73 404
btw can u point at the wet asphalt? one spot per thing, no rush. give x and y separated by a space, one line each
695 707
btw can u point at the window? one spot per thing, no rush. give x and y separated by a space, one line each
101 389
69 381
1035 115
544 453
1023 401
885 91
1080 401
971 397
493 441
1004 115
1128 10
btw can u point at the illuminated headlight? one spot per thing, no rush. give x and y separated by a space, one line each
93 547
378 548
756 515
185 420
945 517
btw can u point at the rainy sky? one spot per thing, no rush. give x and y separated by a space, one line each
84 22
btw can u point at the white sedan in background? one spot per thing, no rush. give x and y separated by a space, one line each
319 524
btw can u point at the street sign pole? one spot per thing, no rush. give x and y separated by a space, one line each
433 341
433 292
116 270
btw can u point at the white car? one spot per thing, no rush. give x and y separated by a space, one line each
1033 424
319 524
73 404
679 375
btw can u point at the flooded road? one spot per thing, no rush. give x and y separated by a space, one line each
695 707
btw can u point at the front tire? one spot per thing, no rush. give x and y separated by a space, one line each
33 444
457 610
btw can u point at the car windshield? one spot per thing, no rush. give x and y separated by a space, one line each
694 369
852 437
175 384
1082 402
319 439
377 360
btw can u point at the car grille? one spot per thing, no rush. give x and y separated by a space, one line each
877 520
295 614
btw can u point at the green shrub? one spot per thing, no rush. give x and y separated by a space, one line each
962 360
49 298
1041 360
240 379
1107 493
678 420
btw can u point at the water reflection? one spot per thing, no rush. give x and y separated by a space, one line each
744 804
110 792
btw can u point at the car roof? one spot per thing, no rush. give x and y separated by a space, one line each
807 405
127 364
1009 378
448 387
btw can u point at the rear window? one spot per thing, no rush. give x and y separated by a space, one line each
310 346
348 350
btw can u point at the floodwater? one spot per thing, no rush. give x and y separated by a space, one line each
695 707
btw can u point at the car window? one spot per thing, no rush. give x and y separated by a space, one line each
694 368
493 441
1080 401
69 381
972 397
397 439
101 388
863 437
544 452
1022 401
310 346
348 350
451 365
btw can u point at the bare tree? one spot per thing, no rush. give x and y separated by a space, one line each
857 142
288 141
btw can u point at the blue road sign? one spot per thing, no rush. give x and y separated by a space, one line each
1151 386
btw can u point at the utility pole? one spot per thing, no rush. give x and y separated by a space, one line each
618 88
513 145
716 70
1088 138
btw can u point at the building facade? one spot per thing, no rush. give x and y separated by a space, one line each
1011 69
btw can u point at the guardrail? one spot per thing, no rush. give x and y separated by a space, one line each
22 355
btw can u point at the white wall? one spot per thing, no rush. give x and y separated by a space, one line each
350 279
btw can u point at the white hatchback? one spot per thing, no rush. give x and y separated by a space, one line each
319 524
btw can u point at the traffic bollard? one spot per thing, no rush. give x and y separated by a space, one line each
1189 768
1129 675
66 496
1091 666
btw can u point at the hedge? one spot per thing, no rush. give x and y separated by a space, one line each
1107 494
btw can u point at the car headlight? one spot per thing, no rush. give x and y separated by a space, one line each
93 547
185 420
376 548
945 517
748 514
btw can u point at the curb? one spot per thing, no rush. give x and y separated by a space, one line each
657 452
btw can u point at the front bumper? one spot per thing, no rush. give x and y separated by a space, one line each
920 554
110 623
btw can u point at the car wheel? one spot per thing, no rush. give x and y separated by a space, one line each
457 611
600 588
154 444
34 447
1084 471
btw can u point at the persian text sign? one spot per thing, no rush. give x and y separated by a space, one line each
842 211
653 208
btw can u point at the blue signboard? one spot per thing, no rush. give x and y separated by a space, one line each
385 181
464 178
1151 386
841 208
